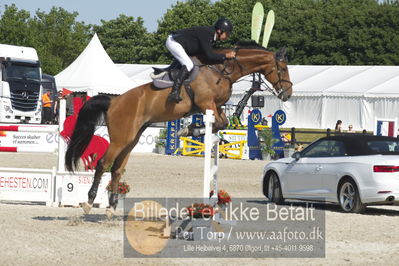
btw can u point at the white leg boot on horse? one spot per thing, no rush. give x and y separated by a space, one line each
191 130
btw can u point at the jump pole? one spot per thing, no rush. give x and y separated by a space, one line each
28 149
210 166
36 129
61 142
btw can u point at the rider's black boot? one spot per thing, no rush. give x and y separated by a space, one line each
174 96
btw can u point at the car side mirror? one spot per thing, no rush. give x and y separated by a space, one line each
296 156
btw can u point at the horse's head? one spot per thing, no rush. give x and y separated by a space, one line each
276 72
272 65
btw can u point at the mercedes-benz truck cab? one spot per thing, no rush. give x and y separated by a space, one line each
20 86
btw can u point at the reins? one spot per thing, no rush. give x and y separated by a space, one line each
225 74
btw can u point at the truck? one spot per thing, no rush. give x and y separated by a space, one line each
20 85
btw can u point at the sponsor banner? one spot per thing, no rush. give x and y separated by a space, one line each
21 186
172 139
45 140
49 141
147 140
254 118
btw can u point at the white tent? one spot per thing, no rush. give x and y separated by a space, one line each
356 95
94 72
139 73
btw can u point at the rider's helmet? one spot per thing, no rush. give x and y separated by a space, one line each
224 25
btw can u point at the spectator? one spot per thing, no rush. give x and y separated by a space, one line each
350 129
298 147
338 127
47 112
286 137
56 109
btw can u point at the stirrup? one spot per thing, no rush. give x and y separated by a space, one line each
174 97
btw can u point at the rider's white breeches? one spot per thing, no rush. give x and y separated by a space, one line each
179 53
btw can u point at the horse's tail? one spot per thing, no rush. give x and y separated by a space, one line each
84 129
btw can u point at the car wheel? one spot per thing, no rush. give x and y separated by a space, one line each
349 198
273 192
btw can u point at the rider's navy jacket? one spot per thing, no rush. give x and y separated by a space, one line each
199 40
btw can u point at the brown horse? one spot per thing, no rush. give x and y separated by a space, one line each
129 114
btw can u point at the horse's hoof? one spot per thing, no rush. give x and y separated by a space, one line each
183 132
109 212
87 207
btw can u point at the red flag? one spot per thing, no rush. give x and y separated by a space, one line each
66 92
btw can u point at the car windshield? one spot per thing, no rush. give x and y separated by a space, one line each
15 71
384 146
325 148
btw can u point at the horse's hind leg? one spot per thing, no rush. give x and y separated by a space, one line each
94 187
117 171
101 167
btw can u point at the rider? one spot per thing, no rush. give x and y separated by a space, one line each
195 41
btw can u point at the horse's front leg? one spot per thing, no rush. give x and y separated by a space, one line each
221 121
116 174
188 131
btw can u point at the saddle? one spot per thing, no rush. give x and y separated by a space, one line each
164 77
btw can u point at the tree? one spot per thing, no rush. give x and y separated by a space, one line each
14 26
322 32
182 15
339 32
56 36
124 38
59 39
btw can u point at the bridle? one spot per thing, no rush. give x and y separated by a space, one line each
225 73
274 90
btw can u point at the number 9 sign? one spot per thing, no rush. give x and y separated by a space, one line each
69 191
70 187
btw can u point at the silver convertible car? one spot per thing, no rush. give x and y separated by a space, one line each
352 170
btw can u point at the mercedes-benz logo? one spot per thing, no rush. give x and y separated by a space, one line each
25 95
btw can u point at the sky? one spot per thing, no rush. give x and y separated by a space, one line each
92 11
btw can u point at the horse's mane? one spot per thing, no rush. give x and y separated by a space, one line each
250 45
